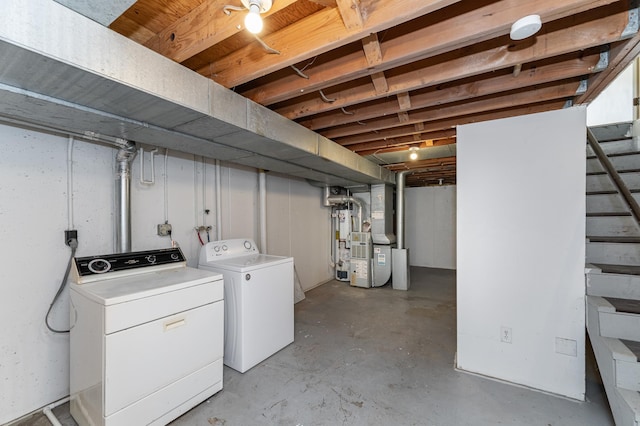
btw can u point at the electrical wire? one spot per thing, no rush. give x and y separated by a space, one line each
73 243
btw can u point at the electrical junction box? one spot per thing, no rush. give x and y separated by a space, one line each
360 263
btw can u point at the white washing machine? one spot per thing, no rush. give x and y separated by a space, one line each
258 292
146 338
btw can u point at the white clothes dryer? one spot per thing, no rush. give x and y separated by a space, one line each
146 339
258 293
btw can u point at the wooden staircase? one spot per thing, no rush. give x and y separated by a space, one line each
613 271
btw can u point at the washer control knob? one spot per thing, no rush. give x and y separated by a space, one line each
247 277
151 258
175 256
247 244
216 248
224 248
99 266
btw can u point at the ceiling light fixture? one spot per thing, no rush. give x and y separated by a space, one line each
414 153
253 21
525 27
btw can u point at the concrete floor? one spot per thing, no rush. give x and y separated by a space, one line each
381 357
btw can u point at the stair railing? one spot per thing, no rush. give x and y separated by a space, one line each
615 177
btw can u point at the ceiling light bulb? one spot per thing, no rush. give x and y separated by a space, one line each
253 21
413 155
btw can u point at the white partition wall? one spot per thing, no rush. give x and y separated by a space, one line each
430 215
521 250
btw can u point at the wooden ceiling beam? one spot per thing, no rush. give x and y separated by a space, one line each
478 60
351 14
431 162
403 141
450 123
563 90
404 103
323 31
201 28
620 56
445 33
404 147
532 76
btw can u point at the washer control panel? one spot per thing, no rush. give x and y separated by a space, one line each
103 264
229 248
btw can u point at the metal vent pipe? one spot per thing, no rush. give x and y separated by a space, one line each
400 208
124 157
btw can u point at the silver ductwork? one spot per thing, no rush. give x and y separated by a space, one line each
124 157
382 214
400 207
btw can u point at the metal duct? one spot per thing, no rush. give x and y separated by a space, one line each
124 157
343 199
400 207
382 214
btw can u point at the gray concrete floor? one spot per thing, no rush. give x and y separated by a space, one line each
381 357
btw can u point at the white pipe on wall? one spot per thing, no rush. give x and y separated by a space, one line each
262 181
218 202
47 411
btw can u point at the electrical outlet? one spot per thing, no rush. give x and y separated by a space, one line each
69 235
164 229
505 334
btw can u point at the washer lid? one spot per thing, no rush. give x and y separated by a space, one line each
248 262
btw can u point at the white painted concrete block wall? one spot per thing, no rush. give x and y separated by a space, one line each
33 215
430 215
521 250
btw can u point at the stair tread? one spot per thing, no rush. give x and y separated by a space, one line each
608 192
633 347
615 154
605 239
608 214
612 192
618 269
628 306
619 172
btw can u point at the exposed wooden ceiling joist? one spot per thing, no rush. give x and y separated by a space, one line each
323 31
438 34
380 76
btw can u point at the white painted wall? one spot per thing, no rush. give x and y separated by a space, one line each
615 103
521 250
33 215
430 222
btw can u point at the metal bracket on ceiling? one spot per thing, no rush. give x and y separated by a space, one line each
603 62
582 88
568 104
633 25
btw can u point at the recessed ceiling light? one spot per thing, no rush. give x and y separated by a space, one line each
525 27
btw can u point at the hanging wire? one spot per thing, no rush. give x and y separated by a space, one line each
324 97
228 8
345 112
73 243
266 47
299 72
